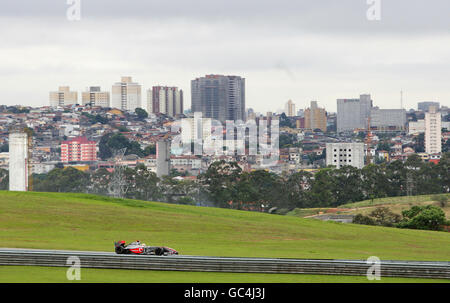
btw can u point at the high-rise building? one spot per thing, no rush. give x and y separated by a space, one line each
315 117
341 154
331 122
433 142
219 97
353 113
387 119
289 108
424 106
300 123
126 95
79 149
18 161
63 97
95 97
165 100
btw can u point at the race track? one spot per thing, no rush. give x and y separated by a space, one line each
90 259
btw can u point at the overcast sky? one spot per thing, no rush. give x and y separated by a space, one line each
286 49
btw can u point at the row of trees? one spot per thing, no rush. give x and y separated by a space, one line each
139 183
224 184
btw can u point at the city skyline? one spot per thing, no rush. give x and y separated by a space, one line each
299 51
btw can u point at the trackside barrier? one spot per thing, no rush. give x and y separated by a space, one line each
410 269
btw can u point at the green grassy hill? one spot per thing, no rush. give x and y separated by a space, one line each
87 222
395 204
394 200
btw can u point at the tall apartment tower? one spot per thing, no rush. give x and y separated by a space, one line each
63 97
353 113
18 161
433 131
95 97
290 109
315 117
219 97
165 100
342 154
126 95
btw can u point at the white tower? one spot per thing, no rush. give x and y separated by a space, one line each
18 161
433 131
162 158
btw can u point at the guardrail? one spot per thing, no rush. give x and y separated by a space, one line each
410 269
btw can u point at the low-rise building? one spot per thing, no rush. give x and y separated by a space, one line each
416 127
341 154
78 149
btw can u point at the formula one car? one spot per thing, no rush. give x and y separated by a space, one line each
138 248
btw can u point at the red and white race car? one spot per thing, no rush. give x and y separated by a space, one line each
138 248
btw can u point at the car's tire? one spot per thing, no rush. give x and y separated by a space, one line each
120 250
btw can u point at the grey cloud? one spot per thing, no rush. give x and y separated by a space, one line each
410 16
286 49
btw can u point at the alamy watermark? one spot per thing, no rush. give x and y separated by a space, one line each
74 271
374 11
209 137
374 271
73 12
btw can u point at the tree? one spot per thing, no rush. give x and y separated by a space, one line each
322 192
219 180
384 146
313 157
296 188
115 141
186 200
141 113
175 190
258 188
346 185
426 180
95 119
396 175
374 181
64 180
443 175
364 220
285 121
383 216
122 129
428 217
150 150
286 140
100 180
143 184
445 145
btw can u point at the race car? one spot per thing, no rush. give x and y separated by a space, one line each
138 248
